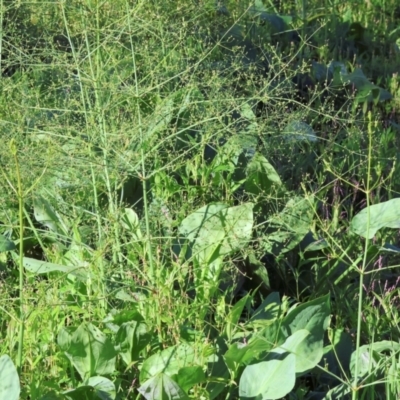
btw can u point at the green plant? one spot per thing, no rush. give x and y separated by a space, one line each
7 245
9 387
215 202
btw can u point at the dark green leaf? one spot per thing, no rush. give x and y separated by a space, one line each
187 377
261 176
91 352
44 267
6 244
313 316
162 387
132 337
170 361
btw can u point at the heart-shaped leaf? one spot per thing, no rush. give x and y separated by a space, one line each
162 387
383 215
217 228
91 352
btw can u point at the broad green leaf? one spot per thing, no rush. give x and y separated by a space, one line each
338 392
245 353
370 355
288 228
78 255
162 387
264 345
269 309
6 244
132 338
189 103
320 72
313 316
132 298
298 131
192 224
384 345
337 69
96 387
269 380
9 380
187 377
80 393
272 334
233 317
316 245
52 395
123 316
217 370
295 344
389 248
44 267
358 78
397 46
368 361
251 125
217 228
188 334
242 353
257 346
91 352
170 361
261 176
235 155
337 354
257 272
130 221
259 6
275 22
382 215
366 90
46 215
234 32
103 387
64 338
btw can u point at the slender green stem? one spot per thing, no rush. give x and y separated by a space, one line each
364 263
148 247
20 195
19 192
96 69
142 156
86 110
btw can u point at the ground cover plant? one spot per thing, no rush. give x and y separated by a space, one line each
199 200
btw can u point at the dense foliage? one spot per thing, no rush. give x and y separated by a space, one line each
200 199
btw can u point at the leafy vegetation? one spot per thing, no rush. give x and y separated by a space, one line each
199 200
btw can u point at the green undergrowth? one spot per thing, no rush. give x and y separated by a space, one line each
199 200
